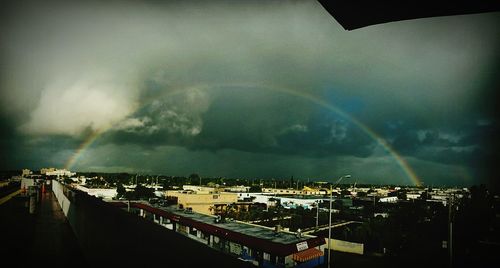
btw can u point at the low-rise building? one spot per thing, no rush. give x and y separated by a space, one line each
389 199
204 203
263 246
199 189
58 172
237 189
26 172
44 171
106 193
294 202
304 191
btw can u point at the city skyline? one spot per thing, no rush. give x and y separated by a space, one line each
267 89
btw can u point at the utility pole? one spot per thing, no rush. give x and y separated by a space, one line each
330 217
330 226
450 238
317 214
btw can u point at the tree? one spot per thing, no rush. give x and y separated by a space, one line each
194 178
255 189
120 190
361 194
142 192
345 192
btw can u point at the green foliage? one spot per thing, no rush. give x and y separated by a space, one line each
140 192
255 189
120 190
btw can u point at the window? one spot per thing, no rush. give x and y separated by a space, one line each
192 231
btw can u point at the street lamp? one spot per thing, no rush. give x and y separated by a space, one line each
317 213
330 217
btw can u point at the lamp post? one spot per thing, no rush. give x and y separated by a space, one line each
330 217
450 229
317 213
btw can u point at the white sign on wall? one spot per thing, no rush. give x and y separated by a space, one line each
302 246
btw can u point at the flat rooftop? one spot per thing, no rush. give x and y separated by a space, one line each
249 229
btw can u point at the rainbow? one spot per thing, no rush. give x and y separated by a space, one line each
401 162
83 146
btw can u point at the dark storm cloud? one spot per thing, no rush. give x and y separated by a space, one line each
469 147
194 80
256 120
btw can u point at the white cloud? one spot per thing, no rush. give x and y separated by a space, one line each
295 128
180 113
338 131
451 137
70 108
133 124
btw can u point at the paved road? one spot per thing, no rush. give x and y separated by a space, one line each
43 237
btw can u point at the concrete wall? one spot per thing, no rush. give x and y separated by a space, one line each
111 236
64 203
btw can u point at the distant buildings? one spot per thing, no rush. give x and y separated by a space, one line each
56 172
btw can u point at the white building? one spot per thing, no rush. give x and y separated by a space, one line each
26 172
389 199
60 173
287 202
264 198
98 192
304 191
411 196
237 189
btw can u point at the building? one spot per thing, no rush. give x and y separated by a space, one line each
27 182
44 171
264 198
98 192
389 199
304 191
237 189
203 202
199 189
260 245
294 202
26 172
59 173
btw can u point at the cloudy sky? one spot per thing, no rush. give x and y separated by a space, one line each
266 89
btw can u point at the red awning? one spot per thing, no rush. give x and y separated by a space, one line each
307 255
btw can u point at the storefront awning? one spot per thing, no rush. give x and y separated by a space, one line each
307 255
